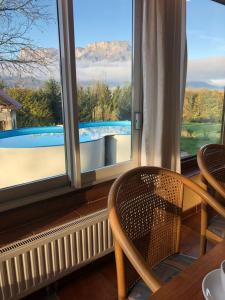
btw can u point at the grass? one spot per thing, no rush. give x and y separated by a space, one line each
195 135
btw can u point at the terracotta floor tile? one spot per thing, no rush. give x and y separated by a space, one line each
109 272
95 286
189 241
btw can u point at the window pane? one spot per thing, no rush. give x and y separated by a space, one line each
31 119
204 98
103 39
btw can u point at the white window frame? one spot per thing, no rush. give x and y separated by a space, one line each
189 157
113 171
28 193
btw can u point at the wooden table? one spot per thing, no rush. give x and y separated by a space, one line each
188 284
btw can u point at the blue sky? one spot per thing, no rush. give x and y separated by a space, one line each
205 28
102 20
99 20
206 42
110 20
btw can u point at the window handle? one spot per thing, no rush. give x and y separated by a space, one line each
137 120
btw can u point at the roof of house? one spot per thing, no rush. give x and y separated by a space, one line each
9 101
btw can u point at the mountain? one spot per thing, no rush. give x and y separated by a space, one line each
47 53
104 51
26 82
99 61
203 85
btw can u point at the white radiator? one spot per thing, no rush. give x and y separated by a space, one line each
32 263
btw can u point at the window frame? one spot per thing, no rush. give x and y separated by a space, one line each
189 165
112 171
24 194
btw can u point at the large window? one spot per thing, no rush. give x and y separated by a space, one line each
103 39
204 97
66 108
31 117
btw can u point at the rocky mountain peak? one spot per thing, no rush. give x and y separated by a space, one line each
94 52
105 51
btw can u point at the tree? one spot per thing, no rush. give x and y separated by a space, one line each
17 50
124 103
203 105
104 96
2 84
116 94
52 93
86 102
35 107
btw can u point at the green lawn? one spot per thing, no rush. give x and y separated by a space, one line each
195 135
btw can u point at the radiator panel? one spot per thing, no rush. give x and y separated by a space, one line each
35 262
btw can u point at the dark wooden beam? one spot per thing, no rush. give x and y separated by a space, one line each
220 1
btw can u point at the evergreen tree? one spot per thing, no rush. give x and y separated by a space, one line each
52 93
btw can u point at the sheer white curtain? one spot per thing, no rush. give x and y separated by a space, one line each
164 60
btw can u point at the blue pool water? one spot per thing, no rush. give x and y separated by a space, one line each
54 135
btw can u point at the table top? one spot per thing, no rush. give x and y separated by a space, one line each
188 284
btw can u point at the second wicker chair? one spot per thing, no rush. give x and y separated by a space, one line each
145 206
211 162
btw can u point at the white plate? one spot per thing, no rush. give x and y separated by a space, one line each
212 286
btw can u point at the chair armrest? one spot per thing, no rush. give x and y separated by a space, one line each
206 197
209 178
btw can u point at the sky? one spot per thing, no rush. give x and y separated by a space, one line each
110 20
205 28
98 20
206 41
102 20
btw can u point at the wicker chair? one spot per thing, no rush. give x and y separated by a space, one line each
211 162
145 206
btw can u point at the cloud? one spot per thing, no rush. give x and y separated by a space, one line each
211 70
219 82
105 71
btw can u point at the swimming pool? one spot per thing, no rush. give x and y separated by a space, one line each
48 136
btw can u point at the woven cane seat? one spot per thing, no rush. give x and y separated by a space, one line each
165 270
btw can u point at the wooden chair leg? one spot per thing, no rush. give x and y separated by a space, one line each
203 245
120 269
204 223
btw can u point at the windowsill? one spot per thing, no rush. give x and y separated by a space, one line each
45 223
189 166
40 216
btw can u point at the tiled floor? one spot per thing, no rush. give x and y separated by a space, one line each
98 280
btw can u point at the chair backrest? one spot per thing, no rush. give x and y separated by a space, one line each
148 202
211 162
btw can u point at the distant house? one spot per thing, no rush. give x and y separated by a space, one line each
8 109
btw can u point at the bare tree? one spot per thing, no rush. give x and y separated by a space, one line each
18 51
